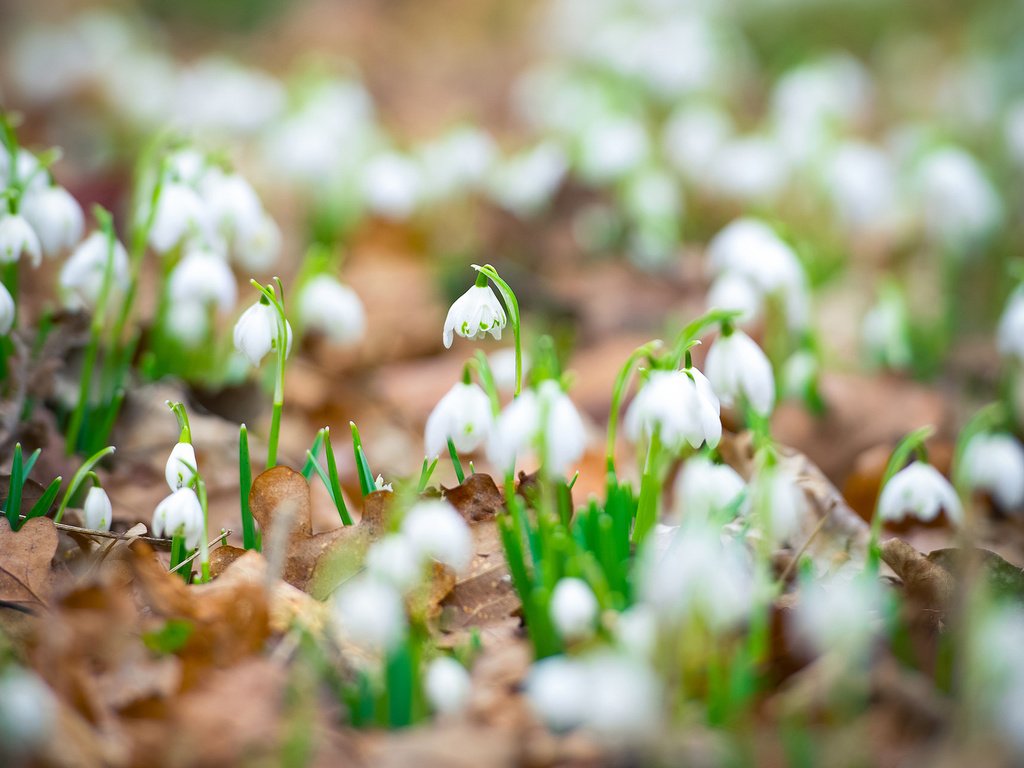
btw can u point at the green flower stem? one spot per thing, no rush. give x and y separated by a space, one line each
244 486
650 489
276 300
79 477
689 334
512 303
622 382
483 370
455 462
178 409
204 547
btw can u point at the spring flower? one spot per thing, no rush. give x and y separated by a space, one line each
692 137
740 372
180 212
232 205
257 243
395 561
704 489
181 513
56 218
733 291
839 614
862 183
636 630
1010 334
256 332
920 491
81 278
187 322
181 466
28 712
524 184
542 420
800 374
446 685
392 186
18 237
97 509
370 614
473 315
455 162
463 416
574 609
995 464
203 278
885 331
333 309
680 405
503 368
557 689
960 204
436 530
8 312
780 503
612 147
748 169
996 674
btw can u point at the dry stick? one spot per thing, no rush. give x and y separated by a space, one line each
165 543
194 555
800 552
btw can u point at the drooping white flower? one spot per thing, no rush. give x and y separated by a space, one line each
447 685
557 689
612 147
624 697
28 712
473 315
862 182
733 291
652 196
779 503
748 169
680 405
188 323
455 162
395 561
8 312
839 614
526 182
574 609
16 238
232 205
257 243
996 672
392 185
333 309
885 331
636 630
180 469
1010 334
436 530
370 614
56 218
960 205
97 509
203 278
463 415
994 463
81 278
704 489
544 421
740 371
800 373
181 511
256 332
692 137
180 212
920 491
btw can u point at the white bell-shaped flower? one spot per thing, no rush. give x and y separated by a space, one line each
56 218
473 315
256 332
919 491
395 561
232 204
732 291
188 323
960 204
463 416
81 277
885 331
612 147
97 509
446 685
180 212
680 405
995 464
333 309
740 371
1010 334
779 503
16 238
574 609
257 243
370 614
29 714
703 489
526 182
392 186
436 530
205 278
180 469
182 513
8 311
839 614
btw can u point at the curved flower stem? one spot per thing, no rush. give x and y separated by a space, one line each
179 411
483 370
79 477
509 297
276 300
622 382
692 331
204 547
650 489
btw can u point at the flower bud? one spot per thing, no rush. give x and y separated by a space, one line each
181 513
97 509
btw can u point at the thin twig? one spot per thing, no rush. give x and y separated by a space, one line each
166 543
194 555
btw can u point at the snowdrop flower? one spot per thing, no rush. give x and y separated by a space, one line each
524 183
97 509
55 216
503 368
557 689
611 148
800 374
1010 334
16 238
652 195
885 332
839 614
256 332
995 464
180 212
474 314
395 561
28 711
257 243
447 685
370 614
704 489
392 186
574 609
775 496
739 371
188 323
333 309
543 420
960 205
692 137
680 405
862 183
181 511
748 169
996 671
636 630
456 161
81 278
202 277
733 291
232 205
180 469
463 416
920 491
436 530
624 697
8 312
187 165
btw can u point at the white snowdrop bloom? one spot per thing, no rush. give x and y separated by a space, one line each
525 183
557 689
256 332
636 630
680 405
203 278
624 697
679 54
257 243
333 309
456 162
733 291
778 501
8 311
653 195
16 238
28 712
885 333
81 277
1010 334
503 367
996 673
574 609
55 216
463 415
392 185
180 213
543 420
30 173
799 373
188 323
370 614
611 148
748 169
839 614
861 180
704 489
232 205
97 509
187 165
180 469
435 529
691 138
395 561
447 685
180 511
960 205
217 94
473 315
739 371
920 491
994 463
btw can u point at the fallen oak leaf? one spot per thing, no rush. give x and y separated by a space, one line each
476 498
26 575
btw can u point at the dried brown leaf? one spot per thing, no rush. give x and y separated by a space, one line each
26 576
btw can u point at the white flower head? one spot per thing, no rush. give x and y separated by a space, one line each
447 685
395 561
181 466
574 609
97 509
463 416
920 491
704 489
775 496
740 371
256 332
188 323
692 137
733 292
611 148
56 218
503 367
885 331
473 315
16 238
839 614
332 309
525 183
180 212
180 512
8 311
436 530
392 185
960 205
680 405
81 277
257 243
624 699
994 463
28 712
800 373
370 614
231 204
203 278
557 689
1010 334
